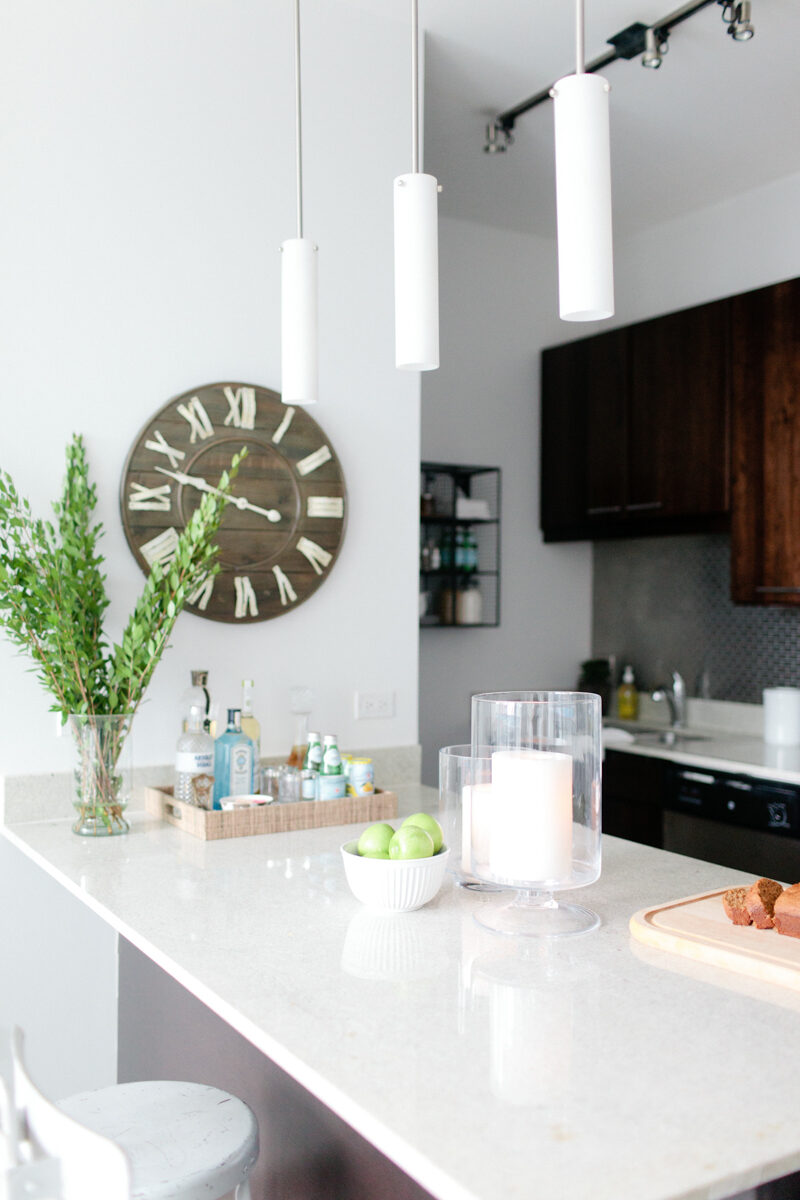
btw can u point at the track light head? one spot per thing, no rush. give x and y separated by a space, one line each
737 14
655 47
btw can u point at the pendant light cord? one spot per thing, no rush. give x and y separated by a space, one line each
298 118
580 50
414 88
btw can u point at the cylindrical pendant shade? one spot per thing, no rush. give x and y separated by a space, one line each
416 272
583 198
299 371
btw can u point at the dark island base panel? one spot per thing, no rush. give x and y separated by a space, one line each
307 1152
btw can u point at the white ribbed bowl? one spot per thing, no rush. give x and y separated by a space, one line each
393 885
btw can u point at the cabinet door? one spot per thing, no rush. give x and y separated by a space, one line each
583 436
765 542
678 416
563 448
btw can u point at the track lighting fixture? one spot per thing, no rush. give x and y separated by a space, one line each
738 18
655 47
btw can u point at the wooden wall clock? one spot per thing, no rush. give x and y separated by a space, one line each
285 523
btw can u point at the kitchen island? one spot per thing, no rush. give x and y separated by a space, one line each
484 1067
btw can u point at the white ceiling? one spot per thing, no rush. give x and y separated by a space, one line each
718 118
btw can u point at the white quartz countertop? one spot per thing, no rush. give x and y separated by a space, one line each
739 753
483 1066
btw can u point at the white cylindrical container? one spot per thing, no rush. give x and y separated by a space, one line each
782 716
416 272
299 370
531 832
583 198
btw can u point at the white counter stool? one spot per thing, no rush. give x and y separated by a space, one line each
182 1141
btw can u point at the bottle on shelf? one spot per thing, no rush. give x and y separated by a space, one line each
469 604
194 762
446 550
332 779
197 696
251 727
234 760
458 561
627 696
470 552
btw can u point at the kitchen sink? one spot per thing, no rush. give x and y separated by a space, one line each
668 737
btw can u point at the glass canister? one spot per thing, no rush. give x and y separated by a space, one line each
542 814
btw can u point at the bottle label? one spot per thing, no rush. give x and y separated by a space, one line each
331 787
187 762
241 774
332 761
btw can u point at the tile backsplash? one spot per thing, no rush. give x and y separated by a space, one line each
663 604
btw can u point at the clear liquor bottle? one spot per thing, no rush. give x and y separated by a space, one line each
234 760
251 727
194 762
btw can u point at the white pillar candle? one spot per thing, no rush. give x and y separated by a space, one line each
476 825
531 816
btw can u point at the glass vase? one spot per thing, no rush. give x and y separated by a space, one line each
103 773
540 819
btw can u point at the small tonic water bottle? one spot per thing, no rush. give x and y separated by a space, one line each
194 762
332 780
234 760
313 756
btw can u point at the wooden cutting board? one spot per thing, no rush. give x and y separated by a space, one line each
696 927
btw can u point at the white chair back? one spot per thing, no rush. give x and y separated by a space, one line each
92 1167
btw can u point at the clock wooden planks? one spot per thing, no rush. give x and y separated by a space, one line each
285 522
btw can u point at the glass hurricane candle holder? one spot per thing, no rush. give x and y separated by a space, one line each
465 781
539 831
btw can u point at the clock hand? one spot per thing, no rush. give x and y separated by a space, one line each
241 502
271 514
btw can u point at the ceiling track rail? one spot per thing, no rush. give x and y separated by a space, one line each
627 44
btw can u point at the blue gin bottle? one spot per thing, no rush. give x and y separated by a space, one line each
234 760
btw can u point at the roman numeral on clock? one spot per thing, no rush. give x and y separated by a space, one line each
196 415
284 425
286 591
160 549
310 463
245 597
202 594
241 407
318 557
160 445
325 506
145 499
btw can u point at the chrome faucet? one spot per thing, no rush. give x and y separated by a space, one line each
675 696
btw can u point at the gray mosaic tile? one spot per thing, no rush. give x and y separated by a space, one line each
664 604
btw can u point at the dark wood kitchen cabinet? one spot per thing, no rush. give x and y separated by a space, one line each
765 542
635 429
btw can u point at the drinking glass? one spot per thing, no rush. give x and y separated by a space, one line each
464 785
538 827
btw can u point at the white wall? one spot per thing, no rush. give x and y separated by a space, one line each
148 182
498 310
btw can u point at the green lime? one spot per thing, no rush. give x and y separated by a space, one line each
430 825
411 842
374 841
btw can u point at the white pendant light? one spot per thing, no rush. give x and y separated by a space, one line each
416 247
299 366
583 192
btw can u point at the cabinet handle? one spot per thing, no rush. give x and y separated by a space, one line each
778 589
604 508
696 777
647 504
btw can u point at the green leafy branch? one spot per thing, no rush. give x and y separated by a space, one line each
53 597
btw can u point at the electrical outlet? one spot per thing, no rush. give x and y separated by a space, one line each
370 705
301 699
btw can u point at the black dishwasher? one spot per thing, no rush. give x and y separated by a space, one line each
735 820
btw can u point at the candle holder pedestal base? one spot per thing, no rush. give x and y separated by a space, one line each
538 914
